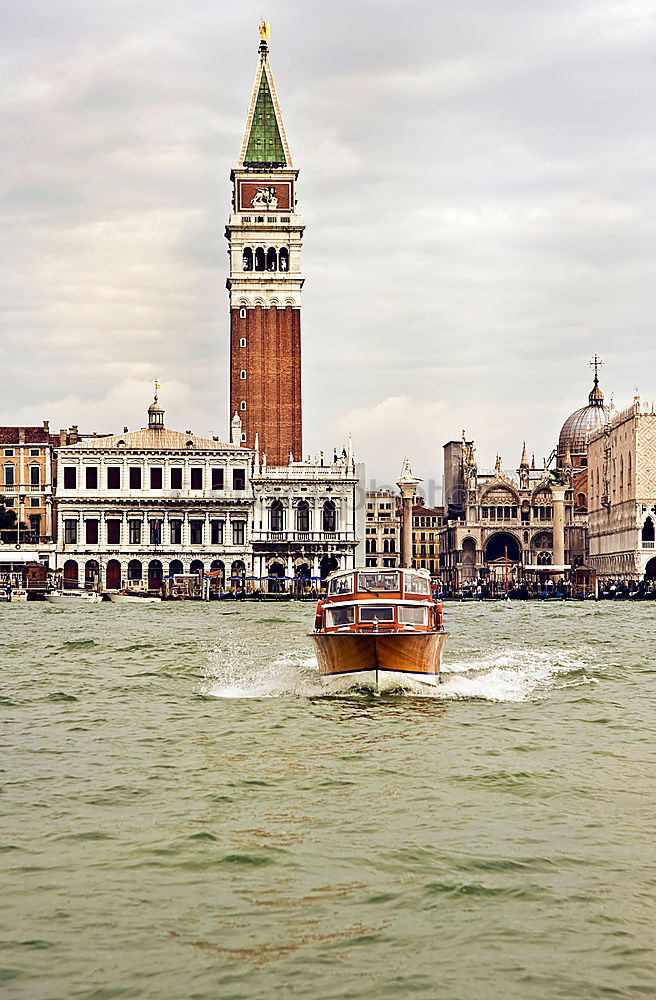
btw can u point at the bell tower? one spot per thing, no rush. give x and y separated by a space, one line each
264 236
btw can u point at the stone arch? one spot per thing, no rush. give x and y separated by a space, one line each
328 564
329 516
155 574
247 259
277 516
197 566
135 570
260 259
302 516
176 567
283 259
650 569
544 559
238 572
542 540
218 566
503 544
276 577
648 534
272 259
71 575
113 575
91 574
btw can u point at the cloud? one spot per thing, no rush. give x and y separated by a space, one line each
477 185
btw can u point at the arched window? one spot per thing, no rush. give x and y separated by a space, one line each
648 530
247 258
242 405
628 476
329 518
276 516
303 516
242 374
544 558
581 502
259 259
284 259
272 259
621 472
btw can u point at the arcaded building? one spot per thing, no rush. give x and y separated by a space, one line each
622 474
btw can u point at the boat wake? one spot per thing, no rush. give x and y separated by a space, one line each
510 675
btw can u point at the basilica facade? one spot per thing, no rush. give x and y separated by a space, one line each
523 524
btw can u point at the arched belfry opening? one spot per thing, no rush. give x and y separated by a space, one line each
648 533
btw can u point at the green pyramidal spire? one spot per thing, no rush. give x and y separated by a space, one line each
265 143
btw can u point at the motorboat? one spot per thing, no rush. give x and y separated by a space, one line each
73 597
379 629
134 597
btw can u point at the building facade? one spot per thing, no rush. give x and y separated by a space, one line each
265 234
622 495
26 483
426 525
382 529
138 506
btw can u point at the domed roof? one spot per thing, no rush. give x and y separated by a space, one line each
578 427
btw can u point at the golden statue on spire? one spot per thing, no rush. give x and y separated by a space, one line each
265 31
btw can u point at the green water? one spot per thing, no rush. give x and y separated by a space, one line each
183 815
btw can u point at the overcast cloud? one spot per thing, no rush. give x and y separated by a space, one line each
477 181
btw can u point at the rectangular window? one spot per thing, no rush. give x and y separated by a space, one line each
135 477
70 532
91 532
155 531
339 616
156 478
91 477
217 532
70 477
35 523
196 479
413 616
175 530
239 479
10 475
176 479
9 452
35 475
378 611
378 582
135 532
113 526
217 479
113 477
196 531
35 502
34 452
238 532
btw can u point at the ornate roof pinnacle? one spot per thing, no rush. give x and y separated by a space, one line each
596 396
523 464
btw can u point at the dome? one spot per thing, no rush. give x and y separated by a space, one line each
578 427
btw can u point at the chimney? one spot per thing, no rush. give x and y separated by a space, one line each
46 426
62 437
74 434
21 435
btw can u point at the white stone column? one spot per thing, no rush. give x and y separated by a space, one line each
558 494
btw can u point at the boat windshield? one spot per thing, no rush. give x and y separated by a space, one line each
416 584
339 616
382 614
378 582
413 615
341 585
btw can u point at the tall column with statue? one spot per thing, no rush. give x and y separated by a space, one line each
408 486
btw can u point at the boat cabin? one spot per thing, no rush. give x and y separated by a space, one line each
389 600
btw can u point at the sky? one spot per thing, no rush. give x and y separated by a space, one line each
476 179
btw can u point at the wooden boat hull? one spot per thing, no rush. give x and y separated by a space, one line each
379 661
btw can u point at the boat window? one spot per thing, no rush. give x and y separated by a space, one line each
378 581
413 616
416 584
380 613
339 616
341 585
